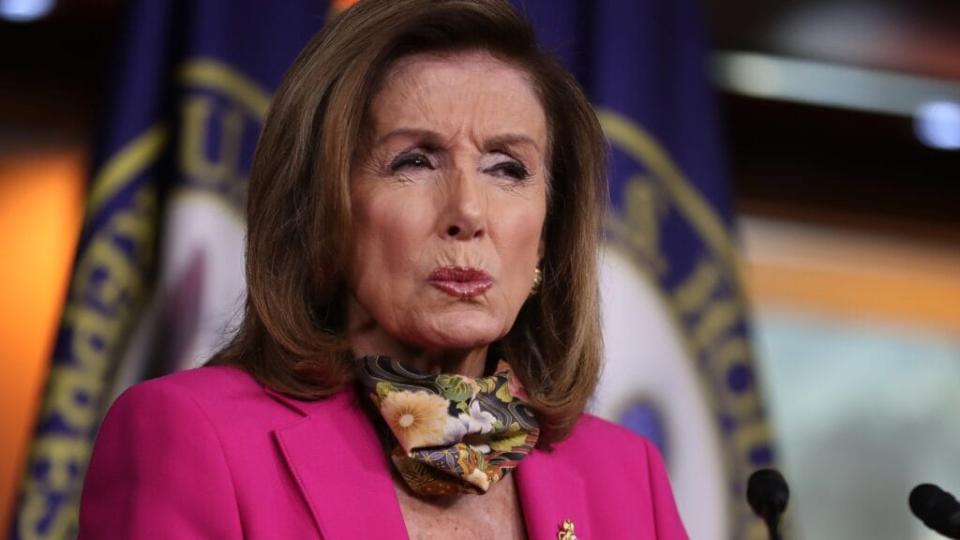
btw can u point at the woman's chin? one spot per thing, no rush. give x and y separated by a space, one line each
457 342
461 334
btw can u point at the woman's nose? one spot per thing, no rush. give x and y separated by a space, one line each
465 215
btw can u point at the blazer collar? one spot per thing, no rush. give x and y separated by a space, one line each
336 459
340 467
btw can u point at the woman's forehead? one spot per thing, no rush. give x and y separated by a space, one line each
448 92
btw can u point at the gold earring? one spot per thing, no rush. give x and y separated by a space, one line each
537 278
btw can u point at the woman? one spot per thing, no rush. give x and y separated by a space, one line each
422 312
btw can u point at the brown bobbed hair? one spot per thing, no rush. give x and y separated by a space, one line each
292 336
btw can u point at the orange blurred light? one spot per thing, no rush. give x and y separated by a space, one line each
41 208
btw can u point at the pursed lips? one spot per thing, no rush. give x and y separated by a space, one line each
460 281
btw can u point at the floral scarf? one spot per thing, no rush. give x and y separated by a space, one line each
454 434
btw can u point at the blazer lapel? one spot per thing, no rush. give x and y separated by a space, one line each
551 492
336 459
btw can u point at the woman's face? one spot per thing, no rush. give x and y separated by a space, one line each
449 201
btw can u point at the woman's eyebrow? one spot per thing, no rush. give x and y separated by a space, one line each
432 138
426 136
511 139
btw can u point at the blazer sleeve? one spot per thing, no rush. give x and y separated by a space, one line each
666 517
158 470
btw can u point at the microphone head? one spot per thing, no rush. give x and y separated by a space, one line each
767 493
921 497
936 508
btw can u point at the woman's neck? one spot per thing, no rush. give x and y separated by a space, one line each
367 338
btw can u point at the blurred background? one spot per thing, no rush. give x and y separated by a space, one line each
840 127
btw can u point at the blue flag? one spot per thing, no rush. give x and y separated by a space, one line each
158 272
683 378
193 82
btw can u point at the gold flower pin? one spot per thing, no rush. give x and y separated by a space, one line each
566 531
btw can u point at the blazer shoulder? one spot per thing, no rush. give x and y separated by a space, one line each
206 380
592 436
226 396
592 430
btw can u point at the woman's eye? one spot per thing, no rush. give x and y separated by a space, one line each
512 169
416 160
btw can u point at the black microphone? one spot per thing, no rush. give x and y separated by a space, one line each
937 509
767 493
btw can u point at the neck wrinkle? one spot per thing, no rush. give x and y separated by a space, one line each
368 338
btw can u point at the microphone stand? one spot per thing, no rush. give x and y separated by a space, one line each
773 526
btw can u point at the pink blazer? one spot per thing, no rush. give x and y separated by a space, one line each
210 453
